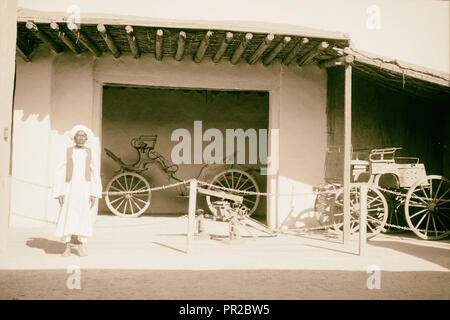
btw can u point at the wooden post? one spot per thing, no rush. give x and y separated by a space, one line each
108 40
43 36
158 45
240 50
62 35
223 47
269 58
293 53
191 213
262 47
132 42
180 46
347 150
202 47
8 33
363 220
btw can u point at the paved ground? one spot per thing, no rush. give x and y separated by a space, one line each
146 258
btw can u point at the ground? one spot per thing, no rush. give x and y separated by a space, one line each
146 258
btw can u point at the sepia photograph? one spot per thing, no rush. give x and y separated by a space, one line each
225 155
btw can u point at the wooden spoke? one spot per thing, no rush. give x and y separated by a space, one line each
420 221
438 189
419 212
117 199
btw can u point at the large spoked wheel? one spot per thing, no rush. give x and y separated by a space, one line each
427 208
237 180
323 203
377 211
134 197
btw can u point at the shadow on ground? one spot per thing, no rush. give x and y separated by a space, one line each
435 255
49 246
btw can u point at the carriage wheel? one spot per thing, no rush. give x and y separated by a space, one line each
427 208
132 202
322 205
396 214
238 180
377 211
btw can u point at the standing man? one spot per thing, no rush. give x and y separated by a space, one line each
77 186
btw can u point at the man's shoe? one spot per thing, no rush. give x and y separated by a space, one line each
66 252
82 251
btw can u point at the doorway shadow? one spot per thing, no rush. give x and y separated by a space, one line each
49 246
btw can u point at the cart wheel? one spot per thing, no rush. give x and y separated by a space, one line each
323 204
396 214
427 208
377 211
131 203
238 180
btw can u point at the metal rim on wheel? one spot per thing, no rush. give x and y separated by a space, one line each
377 211
238 180
134 197
427 208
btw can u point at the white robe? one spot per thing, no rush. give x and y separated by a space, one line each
76 217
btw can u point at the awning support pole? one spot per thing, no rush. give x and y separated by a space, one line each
347 150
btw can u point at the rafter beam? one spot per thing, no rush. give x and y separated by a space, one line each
269 58
180 46
339 61
262 47
293 53
202 47
312 53
134 47
84 39
22 52
223 46
159 45
108 40
43 36
240 50
64 38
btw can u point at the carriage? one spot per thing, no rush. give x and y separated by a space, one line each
400 195
128 193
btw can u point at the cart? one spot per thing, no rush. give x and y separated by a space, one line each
128 193
399 194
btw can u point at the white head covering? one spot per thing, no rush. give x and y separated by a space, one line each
80 127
